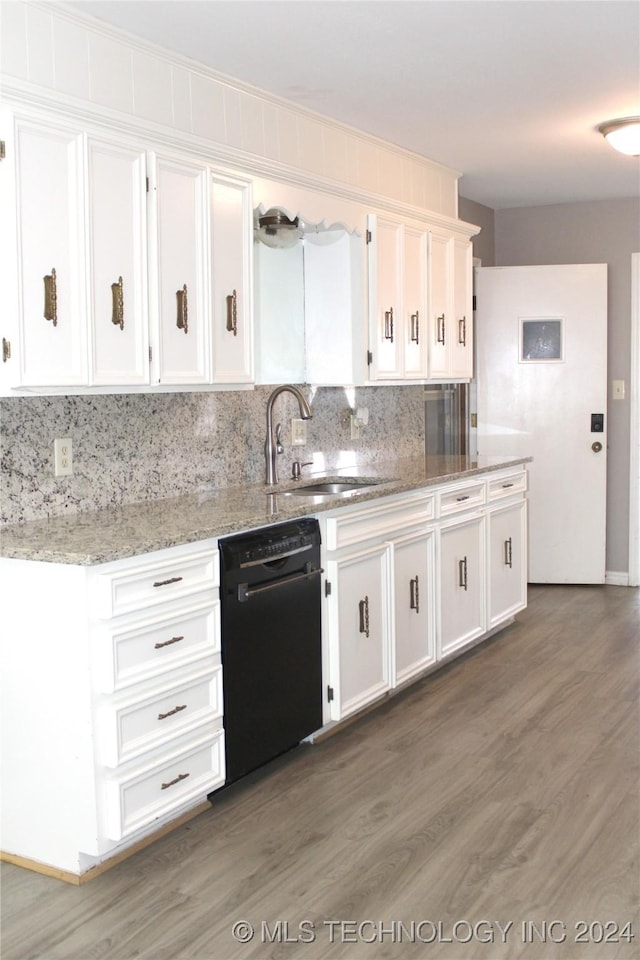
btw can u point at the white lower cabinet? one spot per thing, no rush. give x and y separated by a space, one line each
435 571
358 614
507 561
414 646
116 700
462 583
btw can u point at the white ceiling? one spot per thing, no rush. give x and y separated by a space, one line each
507 91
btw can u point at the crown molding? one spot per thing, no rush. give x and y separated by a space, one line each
25 98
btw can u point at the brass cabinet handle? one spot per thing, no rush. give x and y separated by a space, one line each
388 324
508 553
414 594
117 311
462 573
462 331
364 616
167 643
440 321
171 783
182 321
232 313
415 327
51 297
170 713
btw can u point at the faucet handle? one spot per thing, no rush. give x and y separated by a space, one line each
296 467
279 447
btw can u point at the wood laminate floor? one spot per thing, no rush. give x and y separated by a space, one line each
491 811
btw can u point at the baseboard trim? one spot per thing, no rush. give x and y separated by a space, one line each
77 879
614 578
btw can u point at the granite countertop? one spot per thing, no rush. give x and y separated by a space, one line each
94 537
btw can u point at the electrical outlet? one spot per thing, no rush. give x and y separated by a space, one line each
298 432
63 457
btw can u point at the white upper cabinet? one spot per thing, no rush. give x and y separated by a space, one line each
180 242
462 350
117 264
414 320
51 265
397 300
231 219
450 328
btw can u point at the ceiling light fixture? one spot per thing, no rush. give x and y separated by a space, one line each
623 135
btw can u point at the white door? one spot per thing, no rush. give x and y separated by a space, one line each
541 370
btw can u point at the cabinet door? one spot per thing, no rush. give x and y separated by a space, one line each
440 320
51 267
414 320
385 279
462 584
507 561
414 608
359 628
117 264
180 237
232 232
462 332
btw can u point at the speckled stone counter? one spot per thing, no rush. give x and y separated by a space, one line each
101 536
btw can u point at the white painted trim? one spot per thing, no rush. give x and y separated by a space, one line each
118 35
616 578
634 427
24 97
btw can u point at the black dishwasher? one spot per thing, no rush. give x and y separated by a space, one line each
271 642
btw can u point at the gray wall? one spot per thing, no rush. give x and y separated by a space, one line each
606 231
484 243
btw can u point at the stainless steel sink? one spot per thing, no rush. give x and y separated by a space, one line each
332 487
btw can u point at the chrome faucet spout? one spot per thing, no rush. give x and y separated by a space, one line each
270 443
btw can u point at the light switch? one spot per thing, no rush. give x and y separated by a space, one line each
618 390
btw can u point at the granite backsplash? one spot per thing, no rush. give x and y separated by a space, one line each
129 448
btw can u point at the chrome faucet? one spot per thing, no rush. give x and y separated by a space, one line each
270 447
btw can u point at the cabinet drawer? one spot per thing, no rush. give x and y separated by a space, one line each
140 585
144 649
155 791
507 485
135 726
464 497
354 526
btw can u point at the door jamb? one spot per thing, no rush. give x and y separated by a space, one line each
634 431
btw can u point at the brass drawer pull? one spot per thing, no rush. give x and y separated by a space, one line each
171 783
182 321
170 713
462 573
465 497
167 643
388 324
232 313
364 616
164 583
117 297
51 297
505 485
415 327
440 321
414 594
508 553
